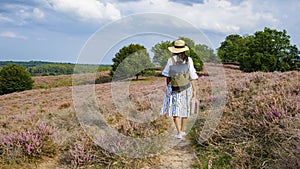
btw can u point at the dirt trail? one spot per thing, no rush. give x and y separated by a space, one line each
181 156
48 163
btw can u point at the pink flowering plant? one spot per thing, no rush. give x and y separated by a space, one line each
27 144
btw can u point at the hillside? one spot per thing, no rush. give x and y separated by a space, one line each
260 117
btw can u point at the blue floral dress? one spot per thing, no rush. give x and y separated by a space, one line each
178 103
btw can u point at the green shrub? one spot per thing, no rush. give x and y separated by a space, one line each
14 78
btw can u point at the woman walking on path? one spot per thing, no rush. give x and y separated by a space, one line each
179 92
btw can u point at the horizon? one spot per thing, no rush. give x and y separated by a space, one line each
52 62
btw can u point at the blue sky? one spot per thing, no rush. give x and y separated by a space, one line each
58 30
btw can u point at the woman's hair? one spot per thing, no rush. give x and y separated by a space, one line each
183 57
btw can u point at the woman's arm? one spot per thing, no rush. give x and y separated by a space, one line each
194 89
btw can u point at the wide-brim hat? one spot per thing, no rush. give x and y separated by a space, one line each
179 46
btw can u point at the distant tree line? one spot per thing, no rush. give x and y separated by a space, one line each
25 64
51 69
38 68
268 50
65 69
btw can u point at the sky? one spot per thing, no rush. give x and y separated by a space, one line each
73 30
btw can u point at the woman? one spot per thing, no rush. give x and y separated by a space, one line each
177 103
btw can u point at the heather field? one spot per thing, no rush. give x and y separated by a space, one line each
259 125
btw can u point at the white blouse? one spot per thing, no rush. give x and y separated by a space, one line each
193 74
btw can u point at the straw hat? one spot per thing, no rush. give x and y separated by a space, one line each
179 46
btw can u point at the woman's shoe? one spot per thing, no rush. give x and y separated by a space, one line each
183 134
179 136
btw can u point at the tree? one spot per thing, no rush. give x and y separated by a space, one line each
132 60
14 78
295 60
198 64
268 50
272 51
161 53
231 49
205 53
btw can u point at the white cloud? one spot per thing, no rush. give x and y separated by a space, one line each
21 14
87 10
24 14
39 14
5 19
9 34
214 15
28 13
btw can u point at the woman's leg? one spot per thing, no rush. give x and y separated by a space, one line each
183 123
177 123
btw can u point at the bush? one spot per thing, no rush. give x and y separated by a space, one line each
14 78
86 152
26 145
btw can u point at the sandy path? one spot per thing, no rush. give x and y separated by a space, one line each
181 156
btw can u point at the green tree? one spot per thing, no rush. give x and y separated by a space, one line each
14 78
198 64
161 53
132 60
206 53
272 51
195 52
268 50
232 48
295 60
